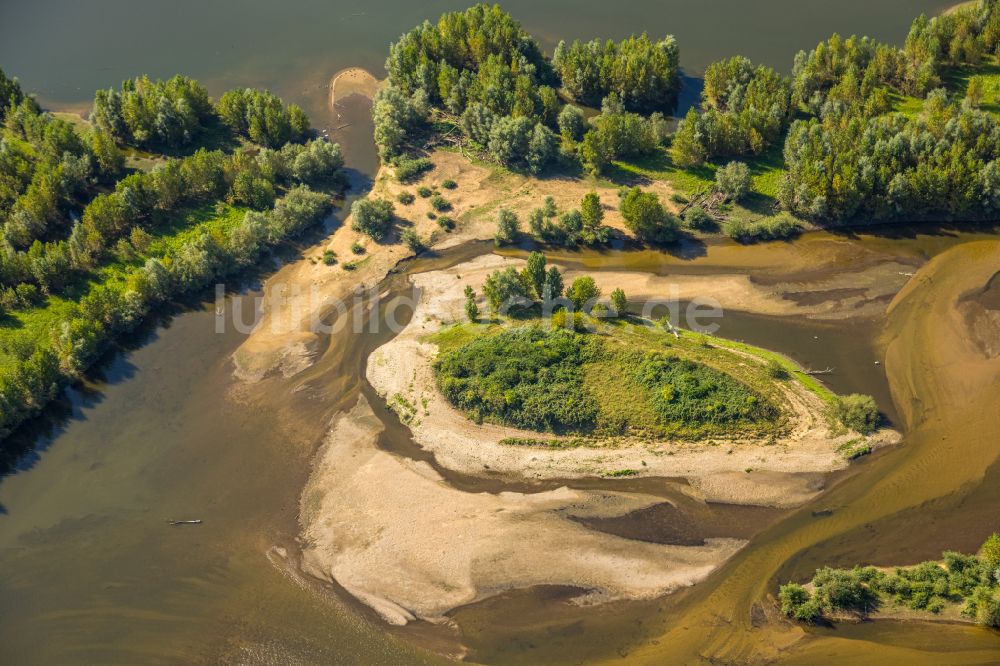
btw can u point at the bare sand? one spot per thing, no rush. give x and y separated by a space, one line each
717 470
352 81
396 536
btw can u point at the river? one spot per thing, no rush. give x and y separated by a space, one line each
90 571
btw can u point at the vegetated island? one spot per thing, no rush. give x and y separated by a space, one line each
957 588
160 193
516 398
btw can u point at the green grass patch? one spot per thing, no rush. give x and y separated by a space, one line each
765 171
956 80
854 448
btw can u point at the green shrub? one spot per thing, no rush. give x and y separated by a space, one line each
446 223
424 192
449 184
440 204
697 218
357 248
733 180
329 258
857 412
412 240
775 370
405 198
679 198
431 215
854 449
372 217
583 291
646 218
769 228
508 227
410 169
798 604
619 302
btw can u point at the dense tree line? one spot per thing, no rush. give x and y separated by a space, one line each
479 55
481 67
46 168
746 110
153 114
262 117
10 93
145 200
51 241
118 306
941 162
643 73
479 64
854 158
173 113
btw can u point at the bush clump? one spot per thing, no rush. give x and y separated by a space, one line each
372 217
412 241
697 218
410 169
970 580
857 412
769 228
405 198
440 204
687 392
449 184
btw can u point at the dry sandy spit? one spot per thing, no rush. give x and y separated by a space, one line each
400 539
785 473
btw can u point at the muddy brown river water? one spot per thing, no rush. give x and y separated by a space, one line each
90 571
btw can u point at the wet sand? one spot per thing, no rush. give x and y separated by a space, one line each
397 537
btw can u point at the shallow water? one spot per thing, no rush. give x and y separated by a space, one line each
91 573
